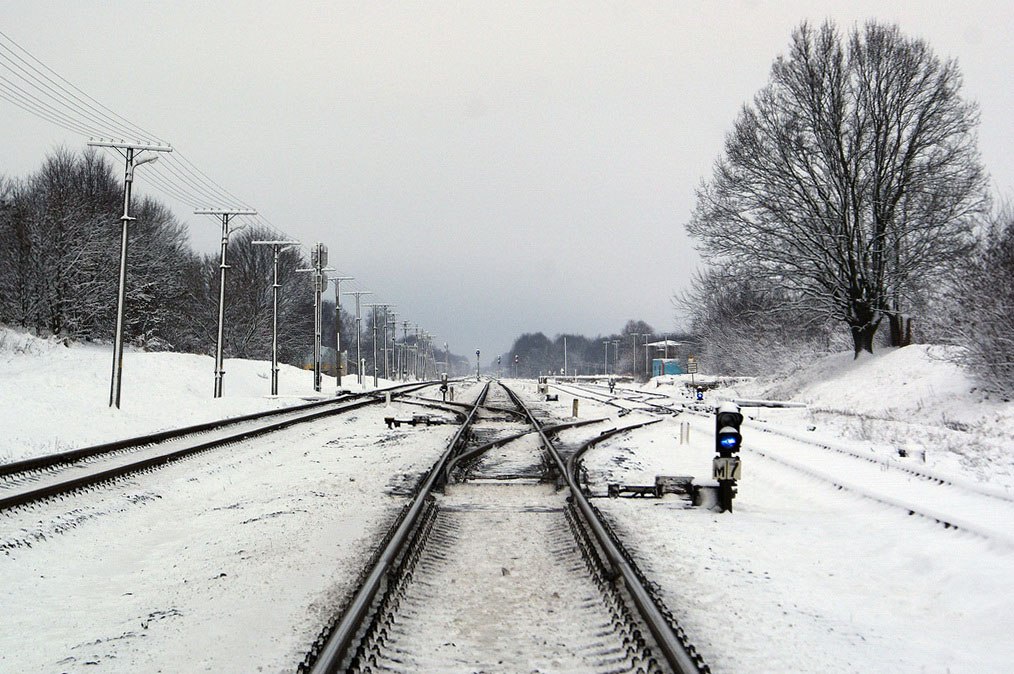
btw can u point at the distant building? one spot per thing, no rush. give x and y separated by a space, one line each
663 366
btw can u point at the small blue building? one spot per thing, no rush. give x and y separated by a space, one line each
663 366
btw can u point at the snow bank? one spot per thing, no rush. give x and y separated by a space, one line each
55 396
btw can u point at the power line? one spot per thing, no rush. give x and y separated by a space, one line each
34 87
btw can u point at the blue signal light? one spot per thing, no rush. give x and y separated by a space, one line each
729 441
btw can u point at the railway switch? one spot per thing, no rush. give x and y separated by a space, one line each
726 467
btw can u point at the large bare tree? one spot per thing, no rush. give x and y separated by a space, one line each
852 180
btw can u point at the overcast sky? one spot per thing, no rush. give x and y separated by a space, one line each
492 168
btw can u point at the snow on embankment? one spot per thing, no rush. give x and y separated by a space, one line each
897 397
55 397
917 382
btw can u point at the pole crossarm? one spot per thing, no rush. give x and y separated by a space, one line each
276 243
225 211
124 145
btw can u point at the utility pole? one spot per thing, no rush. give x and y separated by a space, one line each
616 356
359 335
374 307
225 214
431 359
634 358
404 354
565 355
129 152
416 359
338 328
318 260
376 365
647 364
387 307
276 249
390 325
447 358
605 344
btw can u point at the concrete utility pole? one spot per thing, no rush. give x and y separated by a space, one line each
565 356
633 355
616 356
318 260
605 345
338 329
447 358
390 321
129 151
387 371
415 364
429 359
359 335
225 214
647 364
404 355
376 367
276 249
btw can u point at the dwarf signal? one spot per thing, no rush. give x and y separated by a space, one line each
726 467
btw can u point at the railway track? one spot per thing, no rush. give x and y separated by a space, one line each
501 571
984 512
27 482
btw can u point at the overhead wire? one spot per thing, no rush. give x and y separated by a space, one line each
44 93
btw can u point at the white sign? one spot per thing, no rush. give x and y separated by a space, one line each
726 468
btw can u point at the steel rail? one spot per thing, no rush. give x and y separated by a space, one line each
465 456
610 399
75 455
72 484
331 655
675 653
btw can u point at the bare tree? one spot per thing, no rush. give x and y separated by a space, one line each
983 294
746 328
851 181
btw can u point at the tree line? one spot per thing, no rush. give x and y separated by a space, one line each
623 352
59 260
850 195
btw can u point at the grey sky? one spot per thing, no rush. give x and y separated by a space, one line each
491 167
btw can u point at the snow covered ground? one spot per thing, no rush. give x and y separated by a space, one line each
808 577
54 398
231 561
911 398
